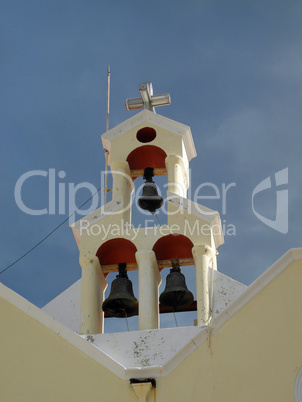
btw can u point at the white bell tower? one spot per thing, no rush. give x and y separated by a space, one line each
192 234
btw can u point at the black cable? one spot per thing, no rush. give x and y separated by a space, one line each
49 234
157 219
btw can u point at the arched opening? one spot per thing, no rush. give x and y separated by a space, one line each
167 248
147 156
115 251
139 159
110 254
173 246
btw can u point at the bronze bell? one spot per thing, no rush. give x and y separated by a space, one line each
150 200
121 302
176 292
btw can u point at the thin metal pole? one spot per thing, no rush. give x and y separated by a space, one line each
106 176
107 128
108 97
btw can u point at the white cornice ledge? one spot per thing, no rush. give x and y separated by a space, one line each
111 208
149 353
200 211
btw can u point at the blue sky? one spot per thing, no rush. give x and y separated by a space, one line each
233 69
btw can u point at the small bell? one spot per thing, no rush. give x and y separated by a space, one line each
121 301
176 292
150 200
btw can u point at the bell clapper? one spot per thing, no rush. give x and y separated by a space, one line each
126 321
175 318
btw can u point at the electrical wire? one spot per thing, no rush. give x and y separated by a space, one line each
49 234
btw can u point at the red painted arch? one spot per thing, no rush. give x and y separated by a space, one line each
115 251
147 156
173 246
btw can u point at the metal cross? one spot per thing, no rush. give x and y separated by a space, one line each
147 100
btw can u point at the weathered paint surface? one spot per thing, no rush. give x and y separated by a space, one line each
225 291
149 348
66 307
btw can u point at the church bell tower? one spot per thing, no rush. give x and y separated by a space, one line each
147 145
